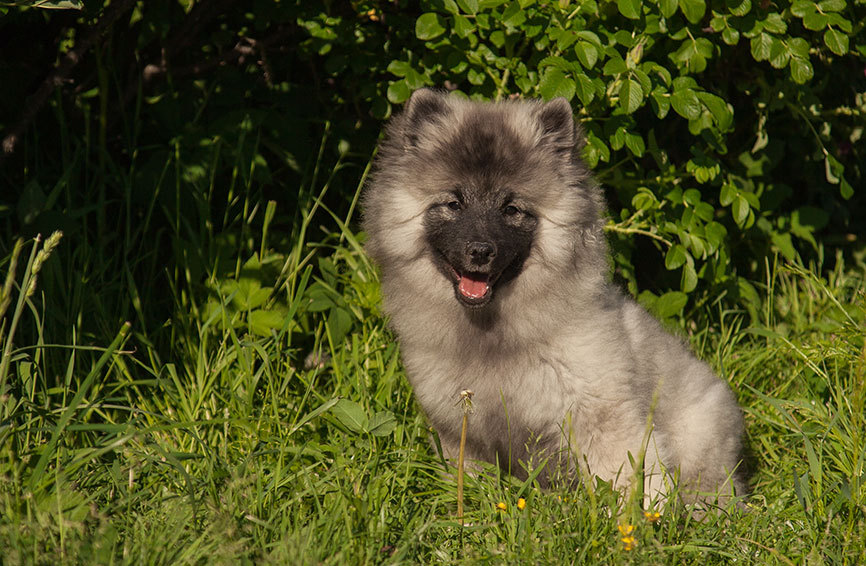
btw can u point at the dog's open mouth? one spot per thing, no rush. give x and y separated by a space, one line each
472 289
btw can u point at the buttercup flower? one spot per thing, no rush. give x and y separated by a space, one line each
629 543
501 506
521 504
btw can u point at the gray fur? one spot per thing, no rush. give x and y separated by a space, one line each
559 356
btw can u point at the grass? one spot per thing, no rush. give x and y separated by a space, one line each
255 410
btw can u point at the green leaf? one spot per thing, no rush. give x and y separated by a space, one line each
740 209
556 61
715 234
589 36
262 322
784 244
675 257
617 140
802 7
339 324
808 219
836 41
399 68
555 83
845 189
564 39
450 6
686 103
779 54
761 46
739 7
615 66
630 96
513 16
629 8
398 92
801 70
815 21
635 144
705 210
58 4
584 89
774 23
721 111
799 47
689 279
670 304
463 26
586 53
692 196
727 194
668 7
351 415
646 83
698 247
468 6
660 101
693 10
476 76
730 36
429 26
596 150
831 5
644 199
382 423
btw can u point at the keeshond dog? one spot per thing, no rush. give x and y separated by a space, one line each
488 230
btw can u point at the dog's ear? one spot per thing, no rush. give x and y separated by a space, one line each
425 106
557 128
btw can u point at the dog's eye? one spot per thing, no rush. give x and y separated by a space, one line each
510 210
454 205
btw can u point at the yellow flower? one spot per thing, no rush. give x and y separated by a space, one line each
501 506
521 504
652 516
626 530
629 542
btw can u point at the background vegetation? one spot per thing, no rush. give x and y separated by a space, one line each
196 371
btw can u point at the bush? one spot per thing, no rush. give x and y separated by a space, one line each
725 132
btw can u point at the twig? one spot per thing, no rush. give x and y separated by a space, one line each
647 233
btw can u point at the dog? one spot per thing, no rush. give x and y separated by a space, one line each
488 229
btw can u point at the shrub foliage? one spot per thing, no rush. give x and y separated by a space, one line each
725 131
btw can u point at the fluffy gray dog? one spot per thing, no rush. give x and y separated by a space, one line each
488 230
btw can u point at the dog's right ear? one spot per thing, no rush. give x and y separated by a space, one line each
425 106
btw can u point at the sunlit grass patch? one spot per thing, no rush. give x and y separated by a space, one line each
269 420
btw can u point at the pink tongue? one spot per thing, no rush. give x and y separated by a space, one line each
473 288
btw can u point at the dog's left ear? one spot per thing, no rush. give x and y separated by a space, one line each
556 123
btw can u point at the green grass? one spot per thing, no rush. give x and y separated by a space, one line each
256 411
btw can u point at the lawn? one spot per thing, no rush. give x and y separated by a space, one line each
252 408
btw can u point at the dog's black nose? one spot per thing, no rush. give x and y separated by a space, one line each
480 253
